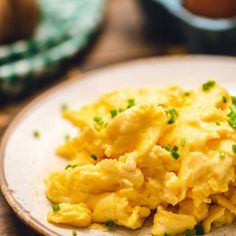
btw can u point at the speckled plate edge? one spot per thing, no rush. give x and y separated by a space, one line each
17 208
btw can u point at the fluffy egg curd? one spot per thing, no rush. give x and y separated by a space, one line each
151 150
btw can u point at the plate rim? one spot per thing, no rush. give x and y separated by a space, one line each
15 206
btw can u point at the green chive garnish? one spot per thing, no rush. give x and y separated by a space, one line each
160 105
93 157
182 141
175 149
174 153
217 123
234 148
74 233
109 223
166 234
114 113
186 94
172 115
232 114
70 166
233 108
56 207
97 129
233 100
67 137
232 117
208 85
221 152
67 167
188 232
224 99
131 103
167 147
98 120
36 134
64 107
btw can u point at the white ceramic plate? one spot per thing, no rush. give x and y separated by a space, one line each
26 161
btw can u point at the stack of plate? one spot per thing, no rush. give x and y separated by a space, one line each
65 28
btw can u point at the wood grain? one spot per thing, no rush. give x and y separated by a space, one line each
122 38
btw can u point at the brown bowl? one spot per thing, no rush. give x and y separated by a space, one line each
212 8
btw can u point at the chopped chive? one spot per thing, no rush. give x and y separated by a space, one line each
217 123
166 234
114 113
232 119
221 152
109 223
167 147
64 107
97 129
208 85
234 148
175 155
70 166
131 103
182 141
120 110
98 120
74 233
94 157
67 137
224 99
56 207
233 108
232 114
199 230
233 100
36 134
172 115
188 232
175 149
186 94
67 167
160 105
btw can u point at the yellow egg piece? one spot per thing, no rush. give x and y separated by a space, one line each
72 214
149 149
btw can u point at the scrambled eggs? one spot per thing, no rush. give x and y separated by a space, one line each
160 150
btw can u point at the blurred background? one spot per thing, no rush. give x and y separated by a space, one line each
44 42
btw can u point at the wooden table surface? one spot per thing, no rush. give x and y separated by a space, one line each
122 37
